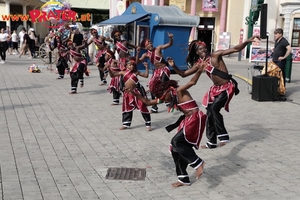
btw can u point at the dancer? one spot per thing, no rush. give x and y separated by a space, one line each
191 124
63 58
220 94
77 70
154 54
114 86
130 102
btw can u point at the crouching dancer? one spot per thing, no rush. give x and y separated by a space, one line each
77 71
130 102
191 124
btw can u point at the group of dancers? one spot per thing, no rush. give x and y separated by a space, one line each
190 126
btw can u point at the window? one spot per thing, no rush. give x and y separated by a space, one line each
296 33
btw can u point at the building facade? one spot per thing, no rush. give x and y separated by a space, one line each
220 20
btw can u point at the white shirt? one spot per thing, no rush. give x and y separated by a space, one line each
3 37
21 36
14 37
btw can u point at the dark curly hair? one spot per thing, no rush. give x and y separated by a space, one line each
192 56
143 43
110 53
132 61
158 88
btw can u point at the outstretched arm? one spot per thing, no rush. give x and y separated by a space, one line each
143 99
113 73
238 47
181 72
199 67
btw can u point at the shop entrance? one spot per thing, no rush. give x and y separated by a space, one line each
206 32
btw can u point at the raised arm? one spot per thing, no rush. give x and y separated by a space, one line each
142 58
167 45
146 74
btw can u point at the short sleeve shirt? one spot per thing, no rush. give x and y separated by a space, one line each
280 49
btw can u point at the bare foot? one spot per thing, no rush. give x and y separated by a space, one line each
204 147
72 92
222 144
114 104
123 128
178 184
148 128
199 170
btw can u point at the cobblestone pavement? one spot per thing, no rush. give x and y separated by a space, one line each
57 146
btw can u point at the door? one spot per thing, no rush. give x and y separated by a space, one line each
206 32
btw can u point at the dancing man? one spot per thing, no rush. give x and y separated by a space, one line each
223 89
191 124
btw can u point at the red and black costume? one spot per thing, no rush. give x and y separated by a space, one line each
77 71
101 48
63 58
121 47
217 97
114 86
190 131
163 73
131 102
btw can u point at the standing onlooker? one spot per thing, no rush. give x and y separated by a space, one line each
9 42
282 50
25 47
21 37
77 38
32 37
4 37
14 39
91 50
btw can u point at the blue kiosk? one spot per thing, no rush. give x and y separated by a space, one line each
154 22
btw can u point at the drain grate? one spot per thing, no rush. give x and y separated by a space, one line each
136 174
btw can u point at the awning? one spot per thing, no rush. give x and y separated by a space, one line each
123 19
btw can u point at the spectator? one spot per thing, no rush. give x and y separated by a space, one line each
15 39
21 38
282 50
77 38
32 41
25 46
4 37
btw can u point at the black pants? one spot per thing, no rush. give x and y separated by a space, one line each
75 78
183 155
116 96
215 127
281 65
154 108
61 67
127 118
3 48
102 75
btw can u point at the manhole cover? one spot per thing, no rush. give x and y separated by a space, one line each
135 174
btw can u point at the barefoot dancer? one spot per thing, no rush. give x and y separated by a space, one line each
223 89
130 102
191 124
